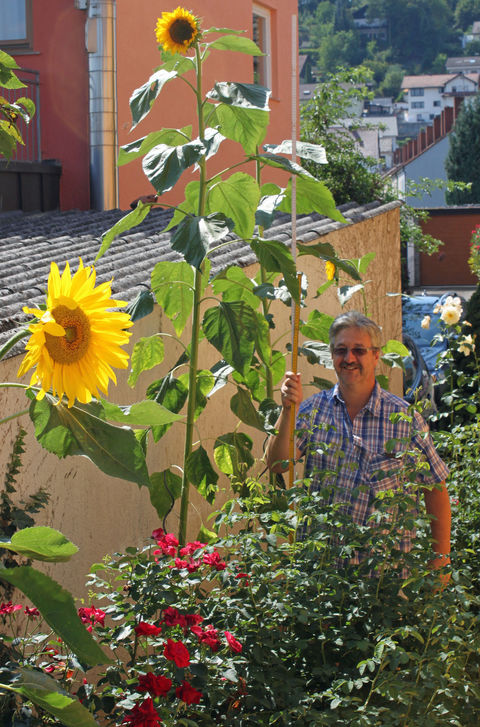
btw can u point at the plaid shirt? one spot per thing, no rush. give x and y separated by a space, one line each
346 455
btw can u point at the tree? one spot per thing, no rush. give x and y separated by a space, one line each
466 12
463 159
348 174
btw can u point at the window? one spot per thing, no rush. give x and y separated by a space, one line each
417 105
417 92
437 103
262 65
15 25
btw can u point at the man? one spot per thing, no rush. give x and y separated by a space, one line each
346 429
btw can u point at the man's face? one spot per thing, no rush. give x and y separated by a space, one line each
357 367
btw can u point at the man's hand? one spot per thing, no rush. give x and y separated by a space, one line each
291 390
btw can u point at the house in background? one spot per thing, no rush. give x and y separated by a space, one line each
88 56
428 95
463 64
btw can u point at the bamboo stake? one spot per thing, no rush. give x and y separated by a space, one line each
295 307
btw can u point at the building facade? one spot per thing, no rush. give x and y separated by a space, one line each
90 55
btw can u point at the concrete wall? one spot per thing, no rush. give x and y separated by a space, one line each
101 514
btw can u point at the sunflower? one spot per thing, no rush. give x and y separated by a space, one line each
177 31
330 270
76 340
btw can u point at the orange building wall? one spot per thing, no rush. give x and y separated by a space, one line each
138 56
60 56
449 265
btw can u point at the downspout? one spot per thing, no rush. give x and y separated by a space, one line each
101 47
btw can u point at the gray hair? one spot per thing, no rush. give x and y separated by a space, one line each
355 319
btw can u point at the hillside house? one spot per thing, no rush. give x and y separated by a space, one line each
427 95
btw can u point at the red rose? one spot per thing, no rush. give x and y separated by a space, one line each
240 576
214 560
177 652
207 636
9 608
143 715
188 694
233 643
31 612
157 686
91 615
145 629
190 548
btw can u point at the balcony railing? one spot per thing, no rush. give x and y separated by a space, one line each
31 151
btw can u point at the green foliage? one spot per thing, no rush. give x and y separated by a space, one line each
10 113
463 158
348 174
262 608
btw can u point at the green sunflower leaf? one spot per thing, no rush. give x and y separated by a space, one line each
140 147
243 95
172 394
279 162
201 474
312 194
58 609
242 406
164 165
275 257
232 284
248 126
317 326
188 207
41 543
46 693
141 100
238 44
312 152
231 328
272 198
143 413
172 284
325 251
237 198
132 219
194 236
75 431
147 353
165 488
233 453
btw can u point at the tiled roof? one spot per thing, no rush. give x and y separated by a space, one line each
29 242
433 81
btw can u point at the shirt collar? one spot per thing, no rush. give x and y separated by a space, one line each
373 404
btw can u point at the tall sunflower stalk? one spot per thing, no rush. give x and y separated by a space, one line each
213 207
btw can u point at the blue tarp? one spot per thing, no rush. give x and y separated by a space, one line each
414 309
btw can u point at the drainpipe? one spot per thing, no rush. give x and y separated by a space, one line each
100 36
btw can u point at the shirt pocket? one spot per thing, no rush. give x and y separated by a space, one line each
384 472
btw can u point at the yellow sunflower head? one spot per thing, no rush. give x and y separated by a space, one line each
76 340
177 31
330 270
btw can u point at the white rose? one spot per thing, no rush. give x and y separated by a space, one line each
450 314
426 322
466 345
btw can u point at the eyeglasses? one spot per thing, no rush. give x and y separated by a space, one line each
357 351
